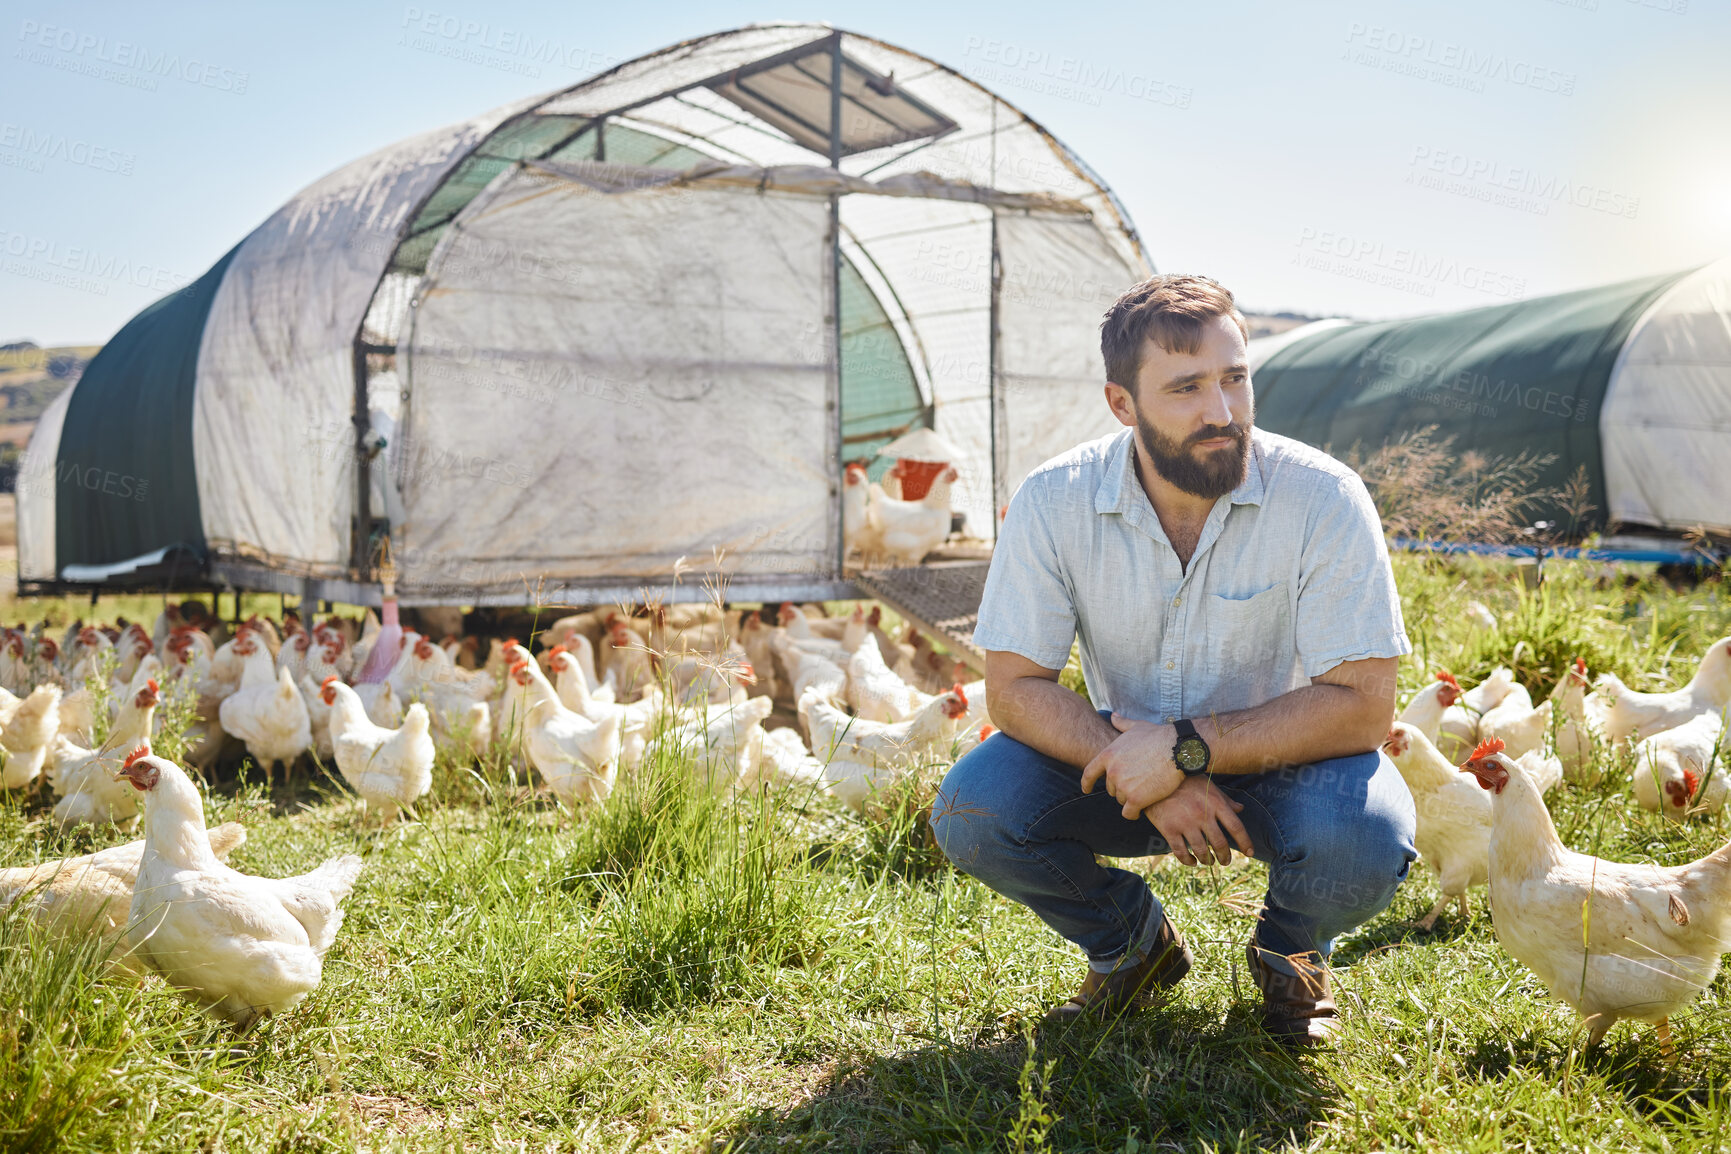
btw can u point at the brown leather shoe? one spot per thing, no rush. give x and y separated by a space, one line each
1297 1008
1107 995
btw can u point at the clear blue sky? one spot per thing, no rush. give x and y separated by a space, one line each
1366 158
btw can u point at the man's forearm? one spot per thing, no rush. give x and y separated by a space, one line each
1309 724
1046 716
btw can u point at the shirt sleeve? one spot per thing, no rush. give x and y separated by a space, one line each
1027 607
1348 607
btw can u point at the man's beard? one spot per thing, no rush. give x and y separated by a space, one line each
1207 473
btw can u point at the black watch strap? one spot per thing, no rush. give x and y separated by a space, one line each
1190 753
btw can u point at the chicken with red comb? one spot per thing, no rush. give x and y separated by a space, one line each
1613 940
1677 770
85 778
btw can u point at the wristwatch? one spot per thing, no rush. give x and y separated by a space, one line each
1190 754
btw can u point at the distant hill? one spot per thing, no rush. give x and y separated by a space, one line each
30 379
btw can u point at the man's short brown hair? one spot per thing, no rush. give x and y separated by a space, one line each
1172 309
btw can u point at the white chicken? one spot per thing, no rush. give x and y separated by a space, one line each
1491 692
1631 716
785 762
29 736
860 529
1520 727
267 711
1454 817
389 768
875 692
636 720
1680 766
1581 732
242 946
576 757
84 778
809 672
726 741
1425 710
757 639
908 530
456 698
860 757
92 894
625 661
1613 940
133 647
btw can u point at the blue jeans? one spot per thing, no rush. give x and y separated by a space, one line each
1337 837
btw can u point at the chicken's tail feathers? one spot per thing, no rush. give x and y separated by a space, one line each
225 837
337 875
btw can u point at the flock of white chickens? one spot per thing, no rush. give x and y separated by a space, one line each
1613 940
605 690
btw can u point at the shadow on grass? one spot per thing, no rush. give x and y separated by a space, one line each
1174 1076
1393 934
1628 1062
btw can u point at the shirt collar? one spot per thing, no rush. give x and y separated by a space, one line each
1120 492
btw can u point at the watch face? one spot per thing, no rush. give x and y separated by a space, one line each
1191 755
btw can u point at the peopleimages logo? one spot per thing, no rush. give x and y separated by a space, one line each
493 45
50 255
1406 269
1446 62
44 146
119 60
1069 77
1515 186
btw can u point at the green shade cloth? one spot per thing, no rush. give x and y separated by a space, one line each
1529 376
126 483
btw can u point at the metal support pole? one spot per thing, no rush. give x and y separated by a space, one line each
359 562
995 400
838 526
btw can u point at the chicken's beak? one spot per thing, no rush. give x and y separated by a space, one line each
1490 775
142 775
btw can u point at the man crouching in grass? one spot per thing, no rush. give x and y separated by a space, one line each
1239 628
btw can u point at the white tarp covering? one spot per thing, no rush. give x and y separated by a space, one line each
35 493
276 380
1665 427
601 383
708 304
1059 276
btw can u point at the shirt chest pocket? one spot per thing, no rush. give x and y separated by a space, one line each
1253 629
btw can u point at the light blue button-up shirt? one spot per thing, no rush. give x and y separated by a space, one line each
1289 579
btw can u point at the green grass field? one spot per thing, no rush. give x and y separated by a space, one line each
675 972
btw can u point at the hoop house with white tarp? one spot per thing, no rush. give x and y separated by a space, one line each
554 350
1630 382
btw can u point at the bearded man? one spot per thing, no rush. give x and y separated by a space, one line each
1239 629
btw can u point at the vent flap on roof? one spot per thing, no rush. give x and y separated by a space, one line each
792 91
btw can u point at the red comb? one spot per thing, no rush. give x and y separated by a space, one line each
1691 781
152 686
1486 748
959 692
326 683
1580 665
560 648
1447 678
137 755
